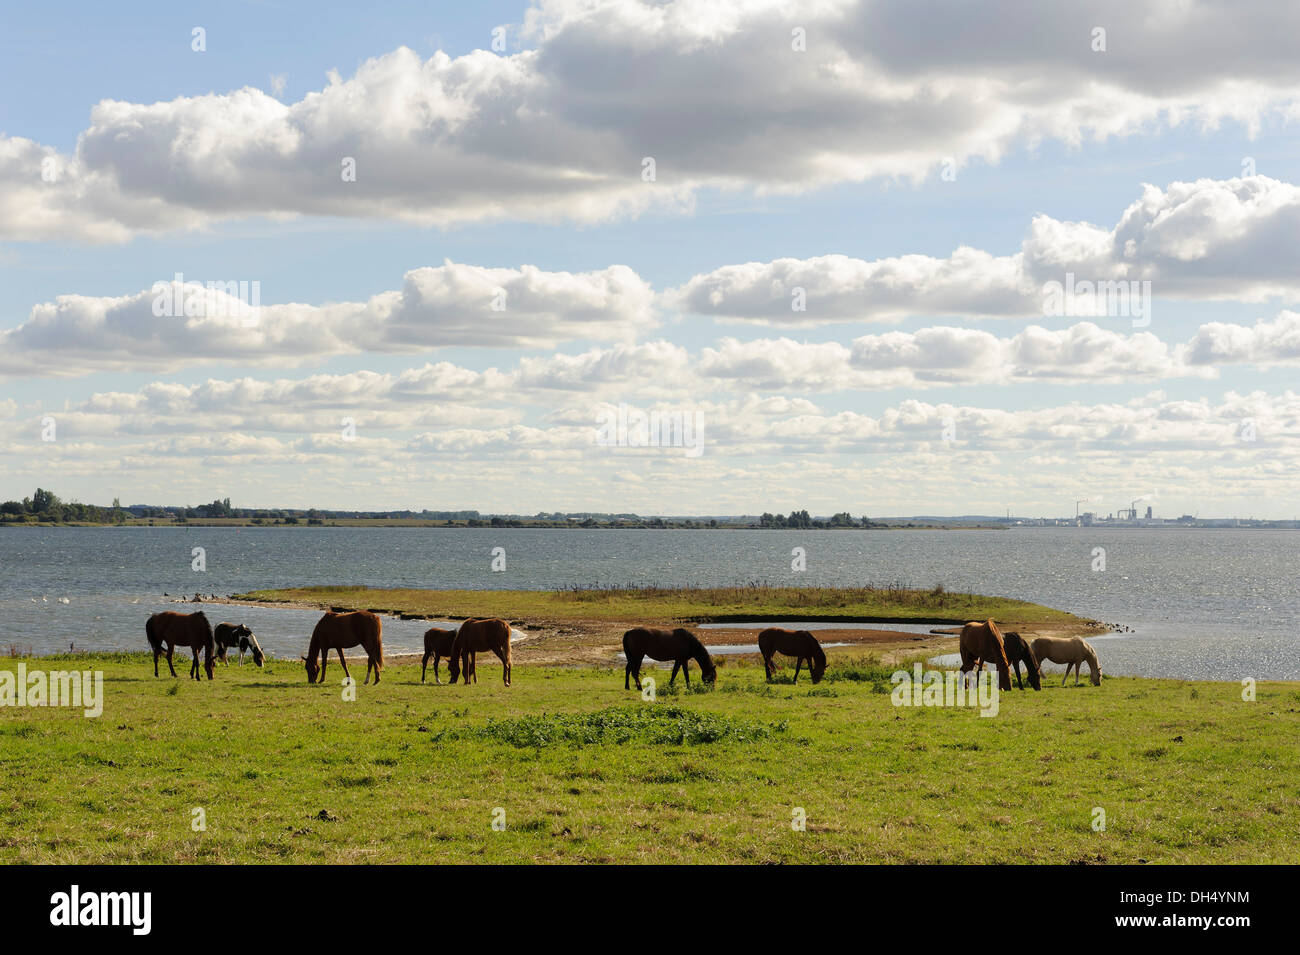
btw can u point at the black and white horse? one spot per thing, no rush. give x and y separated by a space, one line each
230 635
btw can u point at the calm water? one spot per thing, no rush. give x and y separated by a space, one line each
1203 603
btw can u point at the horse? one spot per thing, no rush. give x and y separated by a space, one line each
680 646
172 629
1019 651
980 642
339 631
437 644
475 635
229 635
800 644
1071 651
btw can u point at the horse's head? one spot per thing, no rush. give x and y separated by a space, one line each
1018 648
817 660
1094 672
312 669
258 656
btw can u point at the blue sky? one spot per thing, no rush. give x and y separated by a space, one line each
144 57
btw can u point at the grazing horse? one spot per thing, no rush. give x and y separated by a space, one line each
339 631
476 635
678 645
230 635
1071 651
437 644
172 629
800 644
1019 651
980 642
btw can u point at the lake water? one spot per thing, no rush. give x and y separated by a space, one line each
1203 604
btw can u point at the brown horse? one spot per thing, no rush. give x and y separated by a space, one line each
474 636
437 644
800 644
980 642
1019 651
338 631
680 646
172 629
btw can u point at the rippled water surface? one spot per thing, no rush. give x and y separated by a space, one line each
1203 603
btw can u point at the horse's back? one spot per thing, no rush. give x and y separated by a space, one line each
439 640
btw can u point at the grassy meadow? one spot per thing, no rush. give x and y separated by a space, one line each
587 772
663 604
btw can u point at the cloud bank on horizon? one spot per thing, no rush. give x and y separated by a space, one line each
835 365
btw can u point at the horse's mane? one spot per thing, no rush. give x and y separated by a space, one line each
697 649
818 654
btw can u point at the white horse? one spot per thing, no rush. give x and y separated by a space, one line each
1071 651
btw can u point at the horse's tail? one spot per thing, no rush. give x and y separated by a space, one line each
209 639
1005 670
152 635
379 640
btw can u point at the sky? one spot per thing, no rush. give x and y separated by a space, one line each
451 256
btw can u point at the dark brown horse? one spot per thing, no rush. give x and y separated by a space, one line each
231 635
172 629
475 636
800 644
338 631
437 644
680 646
980 642
1019 651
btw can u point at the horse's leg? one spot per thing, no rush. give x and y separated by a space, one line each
194 667
156 652
170 649
676 665
627 674
634 664
767 667
343 662
1017 666
505 667
798 662
1077 665
424 666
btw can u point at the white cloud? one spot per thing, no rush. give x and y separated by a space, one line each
711 89
437 307
1209 239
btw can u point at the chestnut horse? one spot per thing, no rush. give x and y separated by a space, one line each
474 636
172 629
1019 651
231 635
678 645
339 631
437 644
800 644
1071 651
981 642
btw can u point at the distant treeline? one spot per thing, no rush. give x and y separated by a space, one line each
45 507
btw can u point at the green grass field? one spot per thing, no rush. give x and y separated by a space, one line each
584 771
664 603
